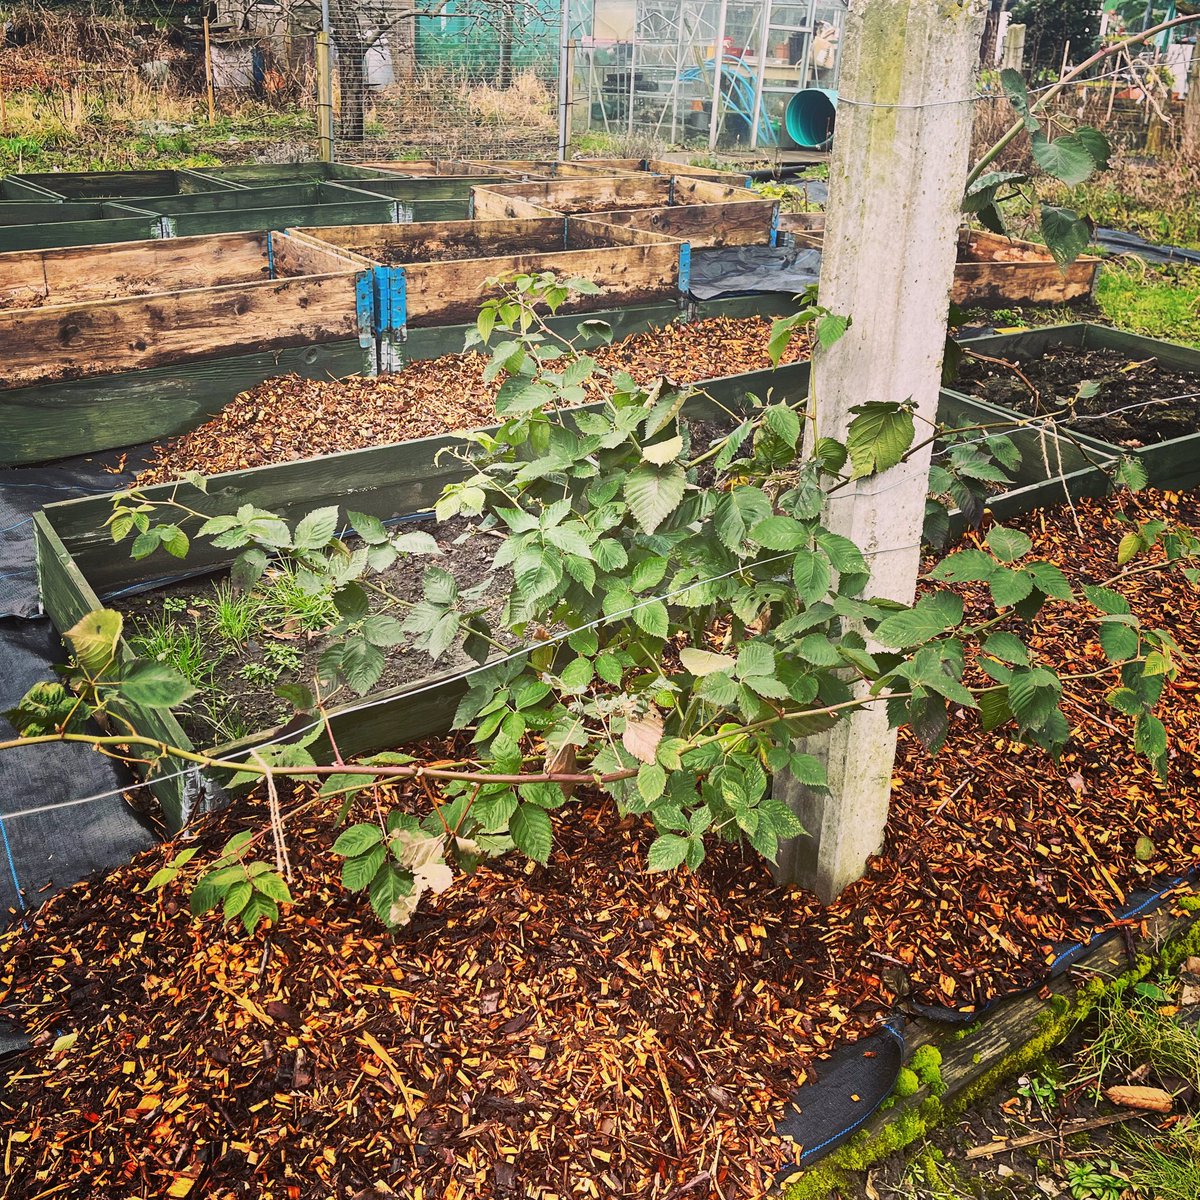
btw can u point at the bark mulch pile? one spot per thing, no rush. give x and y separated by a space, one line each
290 418
584 1028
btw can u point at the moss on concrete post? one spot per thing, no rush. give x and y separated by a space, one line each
896 182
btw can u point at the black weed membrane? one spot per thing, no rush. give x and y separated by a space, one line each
45 846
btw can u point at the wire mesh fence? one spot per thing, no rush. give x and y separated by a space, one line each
467 78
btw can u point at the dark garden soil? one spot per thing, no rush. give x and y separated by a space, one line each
465 553
242 699
583 1027
1136 402
289 418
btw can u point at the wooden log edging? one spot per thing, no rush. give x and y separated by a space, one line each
1012 1036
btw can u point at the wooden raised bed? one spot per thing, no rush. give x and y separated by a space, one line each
72 312
77 564
436 273
116 185
992 271
1174 462
995 272
243 210
42 224
43 422
694 210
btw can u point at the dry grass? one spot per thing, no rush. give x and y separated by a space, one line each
528 103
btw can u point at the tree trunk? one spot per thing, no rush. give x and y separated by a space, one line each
505 47
1191 107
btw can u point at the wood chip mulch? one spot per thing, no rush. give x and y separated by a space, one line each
289 418
584 1028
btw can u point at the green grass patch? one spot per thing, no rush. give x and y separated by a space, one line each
1161 302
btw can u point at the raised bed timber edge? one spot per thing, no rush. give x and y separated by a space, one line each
43 422
992 271
702 213
41 224
77 311
77 564
436 273
1174 463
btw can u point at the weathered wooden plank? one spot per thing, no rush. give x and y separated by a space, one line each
12 188
27 212
294 256
75 274
436 167
441 187
52 235
58 341
96 185
421 241
83 416
662 166
443 292
266 174
284 216
227 198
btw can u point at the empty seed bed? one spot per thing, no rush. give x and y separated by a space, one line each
438 271
238 210
40 224
694 210
1117 393
81 311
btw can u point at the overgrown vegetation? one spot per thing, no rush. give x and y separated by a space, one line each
685 609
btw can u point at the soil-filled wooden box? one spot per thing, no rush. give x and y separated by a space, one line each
1115 393
694 210
438 272
40 225
89 310
992 271
78 568
996 272
117 185
43 422
242 210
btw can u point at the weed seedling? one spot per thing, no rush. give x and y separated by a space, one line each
163 639
1089 1181
1041 1091
285 603
234 614
283 657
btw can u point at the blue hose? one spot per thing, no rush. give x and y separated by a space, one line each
739 99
